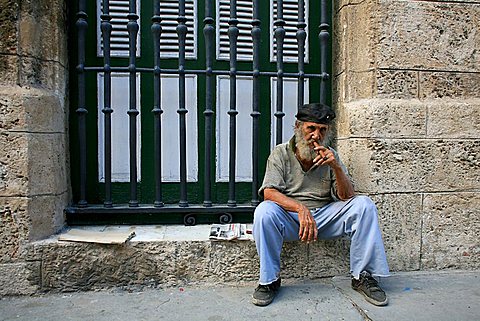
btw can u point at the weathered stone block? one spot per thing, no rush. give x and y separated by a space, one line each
328 258
353 43
40 73
31 110
15 225
454 119
47 164
339 38
294 260
359 85
382 118
450 231
25 219
405 165
19 278
42 30
338 92
155 264
14 161
397 84
428 35
192 261
8 24
46 215
400 218
449 85
237 261
361 27
80 266
8 70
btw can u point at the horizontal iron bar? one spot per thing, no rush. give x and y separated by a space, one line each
147 209
214 72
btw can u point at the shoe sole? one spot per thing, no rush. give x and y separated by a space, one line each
261 303
372 301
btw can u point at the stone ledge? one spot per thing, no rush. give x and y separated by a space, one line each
165 256
19 278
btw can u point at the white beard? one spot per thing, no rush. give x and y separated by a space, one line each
305 151
304 147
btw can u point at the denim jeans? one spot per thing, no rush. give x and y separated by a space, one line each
355 218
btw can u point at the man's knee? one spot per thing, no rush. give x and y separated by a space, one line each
366 208
366 203
266 211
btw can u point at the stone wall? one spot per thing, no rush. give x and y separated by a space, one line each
34 186
407 78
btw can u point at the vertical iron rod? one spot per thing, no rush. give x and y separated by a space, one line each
106 28
279 37
301 36
232 36
209 32
157 107
182 33
323 37
132 27
256 34
81 111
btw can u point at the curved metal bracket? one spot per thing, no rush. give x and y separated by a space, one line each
226 218
190 219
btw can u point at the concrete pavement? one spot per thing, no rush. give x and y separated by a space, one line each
446 295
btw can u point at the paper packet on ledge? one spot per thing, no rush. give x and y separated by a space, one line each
230 232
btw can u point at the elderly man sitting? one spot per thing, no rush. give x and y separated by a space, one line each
308 195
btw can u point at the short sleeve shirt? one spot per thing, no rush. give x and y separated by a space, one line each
314 188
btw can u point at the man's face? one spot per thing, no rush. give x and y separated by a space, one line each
314 132
305 134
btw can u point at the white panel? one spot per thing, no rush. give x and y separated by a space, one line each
244 129
120 128
290 88
171 132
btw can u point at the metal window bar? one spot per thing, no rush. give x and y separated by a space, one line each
233 37
182 111
106 28
132 27
209 32
279 34
132 69
81 111
323 37
256 34
157 108
301 36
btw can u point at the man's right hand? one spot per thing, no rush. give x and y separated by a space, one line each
308 227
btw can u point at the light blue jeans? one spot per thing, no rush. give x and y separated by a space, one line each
355 218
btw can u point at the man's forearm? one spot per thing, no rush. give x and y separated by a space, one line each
344 185
284 201
307 231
